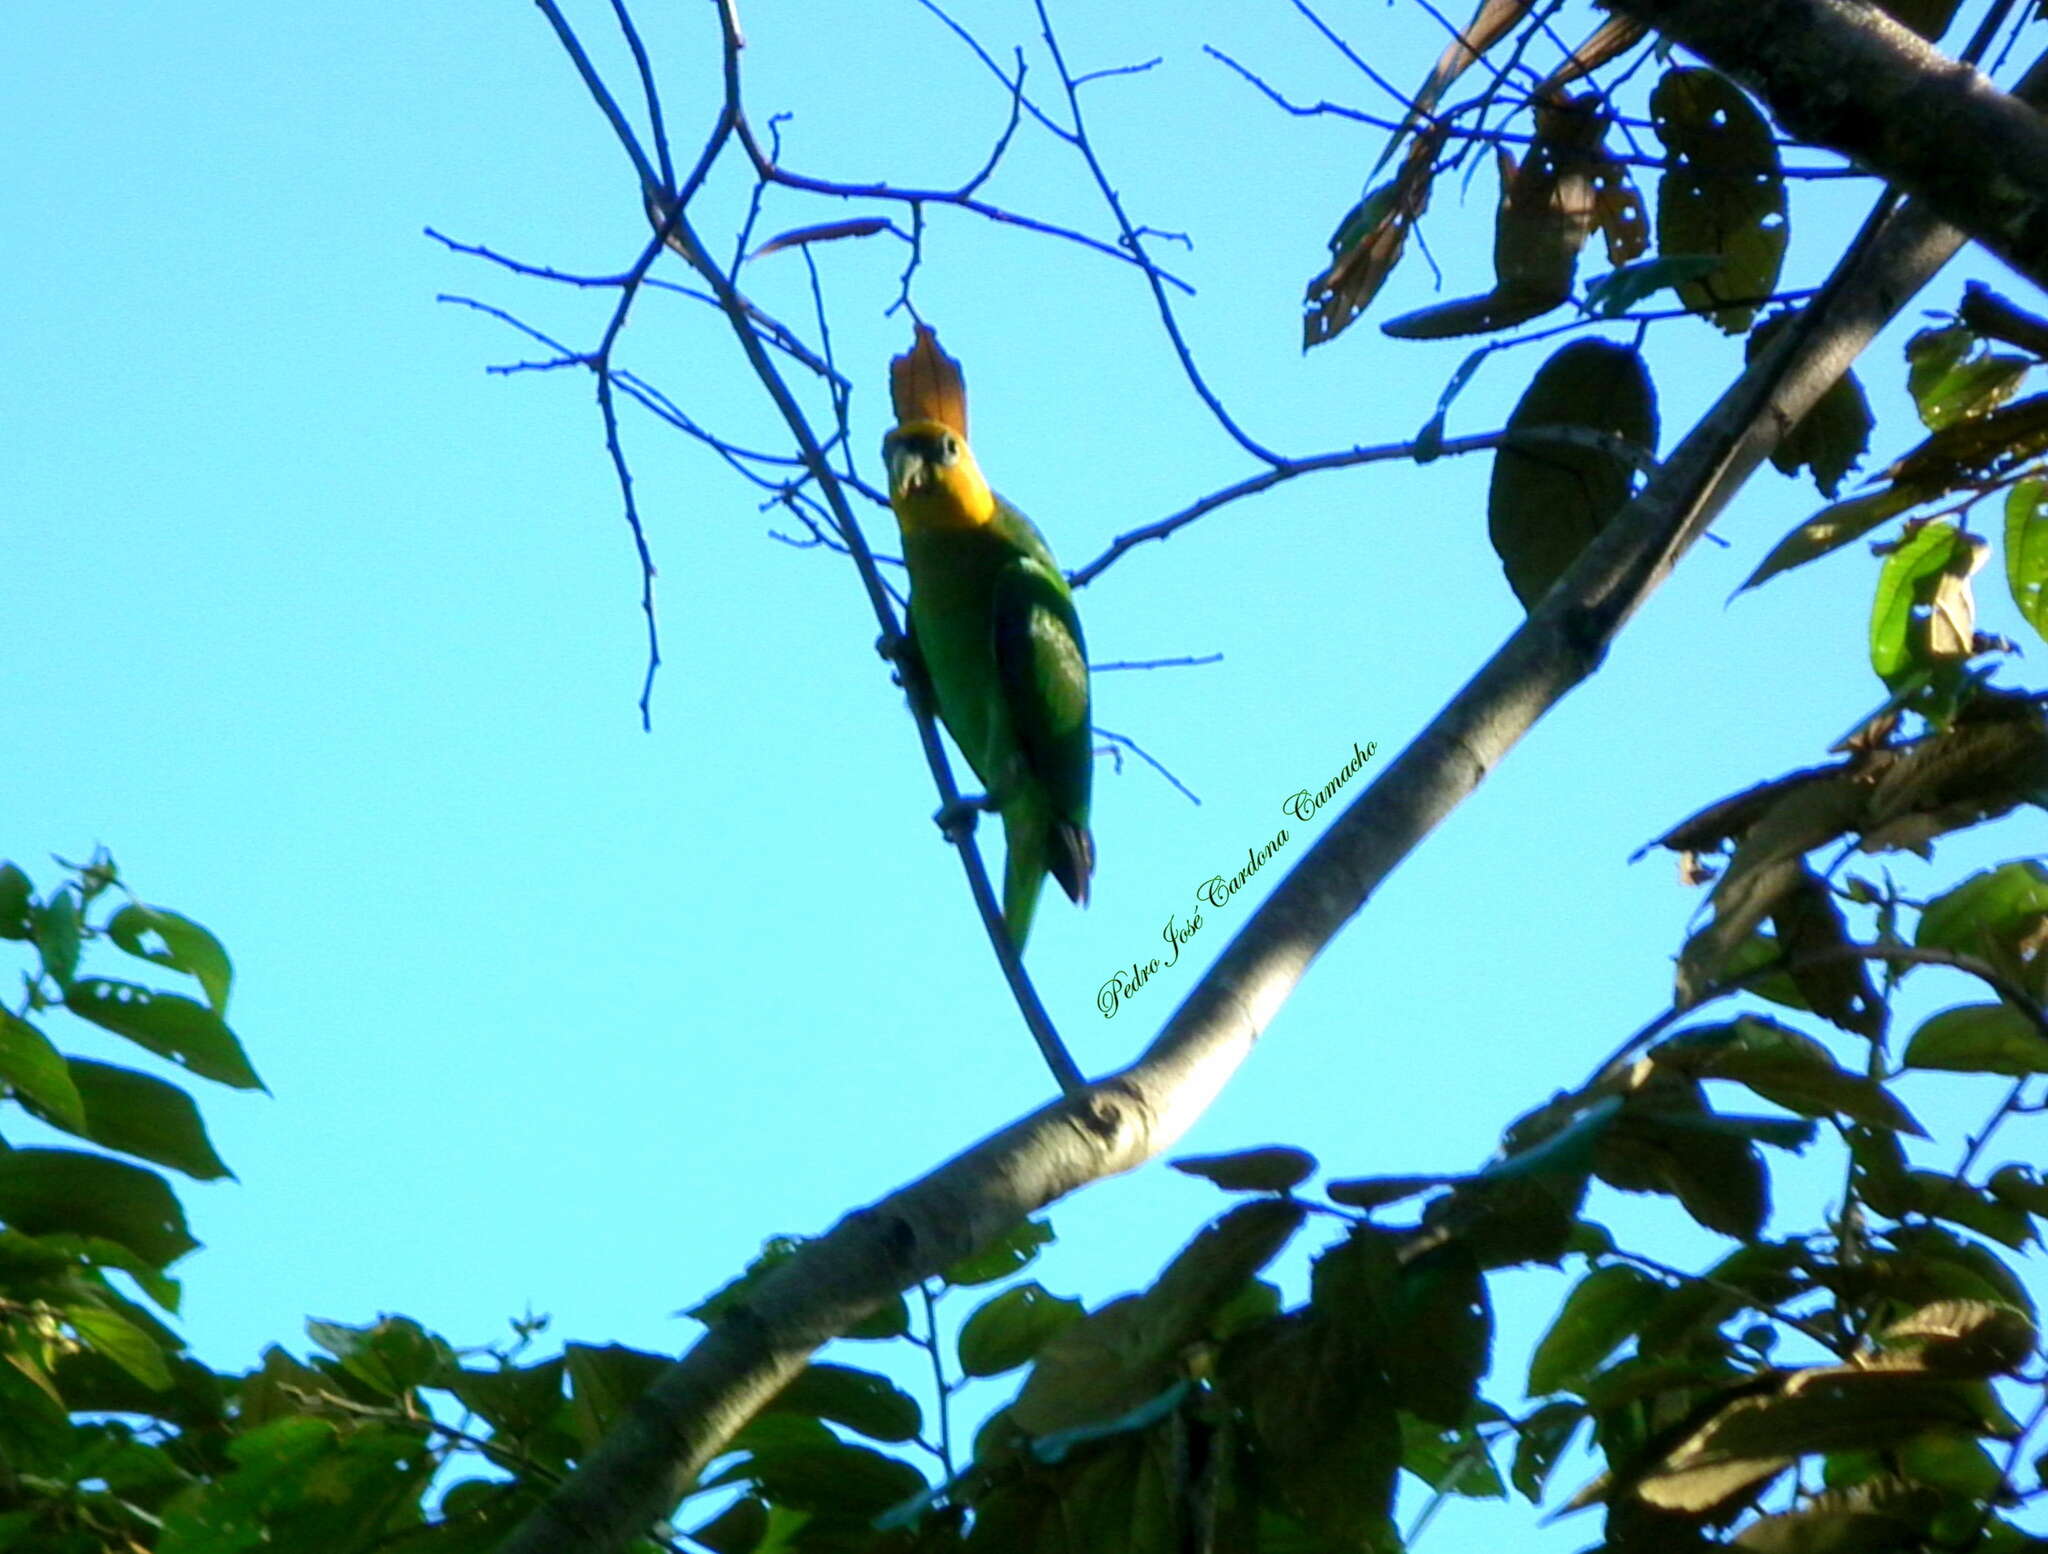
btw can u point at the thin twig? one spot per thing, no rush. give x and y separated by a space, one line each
1135 244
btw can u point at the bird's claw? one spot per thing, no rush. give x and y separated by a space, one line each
957 819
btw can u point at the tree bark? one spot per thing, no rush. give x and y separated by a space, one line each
695 1407
1842 74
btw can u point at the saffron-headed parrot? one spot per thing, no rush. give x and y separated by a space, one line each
994 624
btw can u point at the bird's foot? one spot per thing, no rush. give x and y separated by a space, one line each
957 819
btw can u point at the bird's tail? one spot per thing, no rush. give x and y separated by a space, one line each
1038 843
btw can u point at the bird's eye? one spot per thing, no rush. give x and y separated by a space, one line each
952 447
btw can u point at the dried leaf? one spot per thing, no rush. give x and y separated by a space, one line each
1367 243
1548 207
1490 23
828 232
1610 40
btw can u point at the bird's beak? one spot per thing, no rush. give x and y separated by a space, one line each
907 469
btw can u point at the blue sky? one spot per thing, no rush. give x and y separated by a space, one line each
334 641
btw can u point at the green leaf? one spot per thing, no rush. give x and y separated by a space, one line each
45 1190
128 1346
1722 193
1944 1197
1621 289
2021 1187
1452 1460
1870 1518
182 945
391 1356
1932 1263
1015 1249
38 1073
1541 1439
835 1478
1979 1039
16 894
1977 1338
857 1399
2026 551
1829 530
1952 380
891 1319
1372 1192
1603 1311
1010 1329
1276 1168
1994 908
1548 499
605 1381
172 1027
515 1400
1976 447
1429 441
1256 1303
56 928
738 1529
1328 1437
1909 573
1784 1066
136 1114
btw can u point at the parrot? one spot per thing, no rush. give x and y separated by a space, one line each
993 620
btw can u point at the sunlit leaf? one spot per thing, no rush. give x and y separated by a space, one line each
43 1190
141 1115
1829 530
1015 1249
1907 582
1722 193
1979 1039
1010 1329
2026 551
177 1028
1953 379
1603 1311
127 1345
37 1072
179 943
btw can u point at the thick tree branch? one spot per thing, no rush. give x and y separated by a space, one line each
1842 74
686 1418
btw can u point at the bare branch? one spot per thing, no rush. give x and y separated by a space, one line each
694 1408
1346 458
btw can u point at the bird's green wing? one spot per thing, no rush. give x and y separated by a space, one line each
1042 669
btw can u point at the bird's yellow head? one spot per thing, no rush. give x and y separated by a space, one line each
933 479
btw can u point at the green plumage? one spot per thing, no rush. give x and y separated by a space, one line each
995 626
